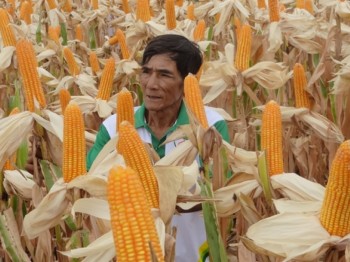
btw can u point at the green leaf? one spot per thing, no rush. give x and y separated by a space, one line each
22 155
50 172
217 249
265 178
6 240
64 34
92 37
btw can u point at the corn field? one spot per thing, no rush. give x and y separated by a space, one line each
277 71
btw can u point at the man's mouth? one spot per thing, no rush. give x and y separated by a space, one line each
153 97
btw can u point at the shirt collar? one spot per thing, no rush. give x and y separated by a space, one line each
140 120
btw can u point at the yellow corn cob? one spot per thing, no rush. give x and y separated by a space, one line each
31 6
94 4
125 6
170 14
94 63
300 4
135 155
125 107
67 6
65 97
274 10
179 3
217 17
190 12
132 222
25 13
309 6
11 7
271 137
9 163
261 4
122 43
53 34
73 67
238 25
143 10
198 33
193 98
113 40
79 33
300 83
52 4
244 45
27 65
8 37
335 211
74 148
106 83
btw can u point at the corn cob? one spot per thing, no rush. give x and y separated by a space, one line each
8 37
135 155
94 63
190 12
27 65
74 148
53 34
261 4
309 6
300 83
79 33
217 17
52 4
72 64
67 6
274 10
179 3
94 4
125 6
106 83
193 98
237 25
335 211
25 13
300 4
65 97
170 14
132 222
198 33
143 10
125 107
11 7
244 45
113 40
9 163
271 137
122 43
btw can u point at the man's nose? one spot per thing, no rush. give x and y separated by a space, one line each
152 81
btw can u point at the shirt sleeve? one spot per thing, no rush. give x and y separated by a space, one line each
102 138
221 127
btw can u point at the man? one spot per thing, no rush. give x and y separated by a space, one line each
166 61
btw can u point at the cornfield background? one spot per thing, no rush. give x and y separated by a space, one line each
250 50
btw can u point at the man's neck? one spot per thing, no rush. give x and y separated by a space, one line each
161 121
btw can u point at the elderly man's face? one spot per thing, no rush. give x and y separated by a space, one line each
162 84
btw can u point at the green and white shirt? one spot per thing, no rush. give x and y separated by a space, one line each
191 237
